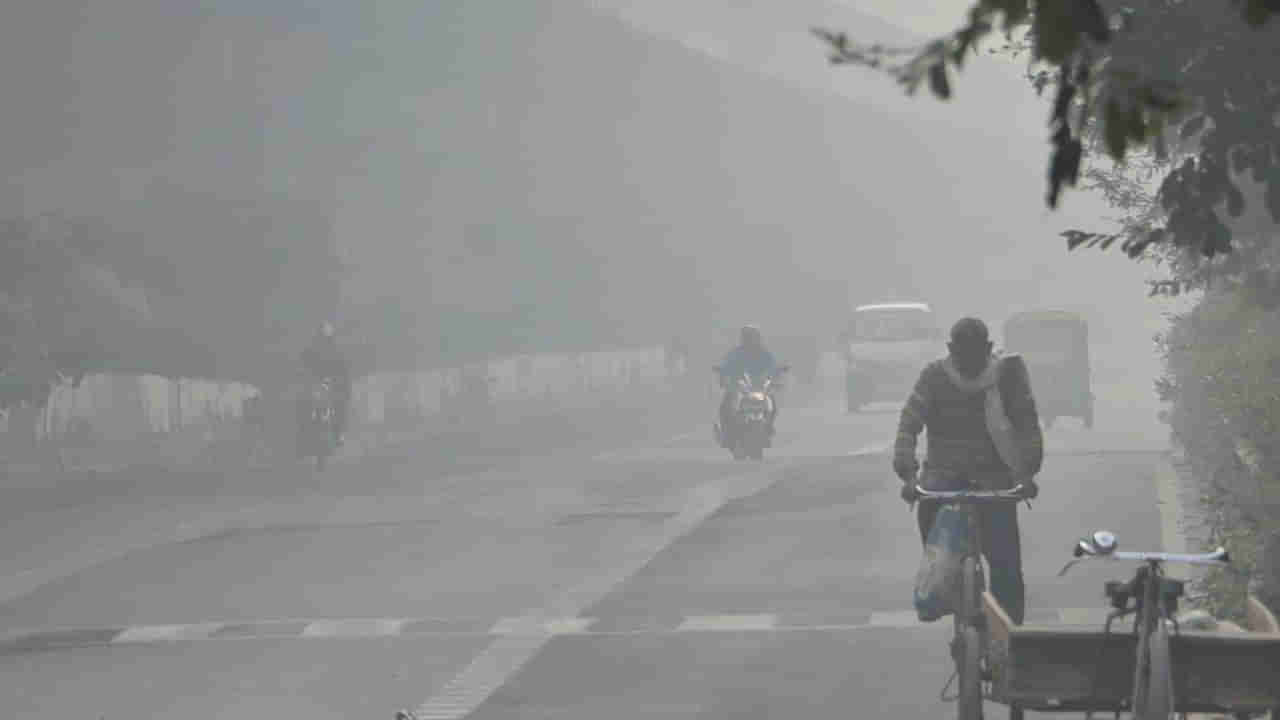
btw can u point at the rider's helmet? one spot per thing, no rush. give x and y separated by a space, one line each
750 336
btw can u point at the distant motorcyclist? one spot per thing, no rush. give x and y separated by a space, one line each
323 360
750 357
951 398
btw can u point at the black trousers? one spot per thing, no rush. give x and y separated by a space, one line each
1002 546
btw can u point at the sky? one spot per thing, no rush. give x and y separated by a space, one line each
649 138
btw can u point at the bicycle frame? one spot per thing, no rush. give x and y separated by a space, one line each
968 646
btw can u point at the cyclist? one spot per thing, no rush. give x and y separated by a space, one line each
955 398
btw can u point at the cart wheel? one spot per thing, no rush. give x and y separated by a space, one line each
1160 682
970 674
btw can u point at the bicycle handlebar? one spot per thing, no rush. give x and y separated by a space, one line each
1014 494
1217 557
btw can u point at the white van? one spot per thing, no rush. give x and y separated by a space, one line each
886 346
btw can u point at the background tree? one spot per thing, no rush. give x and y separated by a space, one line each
1183 95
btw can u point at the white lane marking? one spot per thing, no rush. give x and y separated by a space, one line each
1172 516
150 634
541 626
374 627
727 623
877 449
506 655
524 626
897 618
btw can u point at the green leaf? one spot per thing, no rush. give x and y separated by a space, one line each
1272 195
1075 238
938 81
1136 124
1235 200
1116 130
1055 30
1093 21
1191 127
1257 12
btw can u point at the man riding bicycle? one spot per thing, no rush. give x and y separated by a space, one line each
956 399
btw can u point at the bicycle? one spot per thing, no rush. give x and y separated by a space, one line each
968 645
1152 598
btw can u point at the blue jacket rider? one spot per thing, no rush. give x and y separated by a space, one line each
750 356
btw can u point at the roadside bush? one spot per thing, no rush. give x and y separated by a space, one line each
1222 362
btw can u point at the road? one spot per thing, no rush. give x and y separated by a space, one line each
654 579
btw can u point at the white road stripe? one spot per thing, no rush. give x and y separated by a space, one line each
353 628
541 626
728 623
877 449
897 618
537 627
149 634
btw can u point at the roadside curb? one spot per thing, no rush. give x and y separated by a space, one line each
1181 523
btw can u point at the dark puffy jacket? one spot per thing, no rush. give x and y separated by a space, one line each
955 418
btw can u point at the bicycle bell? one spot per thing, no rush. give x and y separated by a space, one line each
1102 542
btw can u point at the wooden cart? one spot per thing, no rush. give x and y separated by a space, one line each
1066 669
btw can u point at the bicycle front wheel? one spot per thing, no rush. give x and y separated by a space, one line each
1159 702
969 672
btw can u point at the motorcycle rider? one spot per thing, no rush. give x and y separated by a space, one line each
949 399
751 357
323 360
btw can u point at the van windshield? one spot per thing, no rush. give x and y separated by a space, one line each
892 326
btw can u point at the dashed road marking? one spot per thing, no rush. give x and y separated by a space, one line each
540 628
353 628
897 618
732 623
877 449
150 634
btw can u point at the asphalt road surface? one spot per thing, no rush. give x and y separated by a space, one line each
658 579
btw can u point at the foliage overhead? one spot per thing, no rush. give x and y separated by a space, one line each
1186 93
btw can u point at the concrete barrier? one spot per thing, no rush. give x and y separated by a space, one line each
121 408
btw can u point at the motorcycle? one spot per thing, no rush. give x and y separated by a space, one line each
753 405
318 436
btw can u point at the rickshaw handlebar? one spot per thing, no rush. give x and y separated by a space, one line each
1217 557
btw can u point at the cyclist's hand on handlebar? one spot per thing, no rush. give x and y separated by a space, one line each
1030 490
909 494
